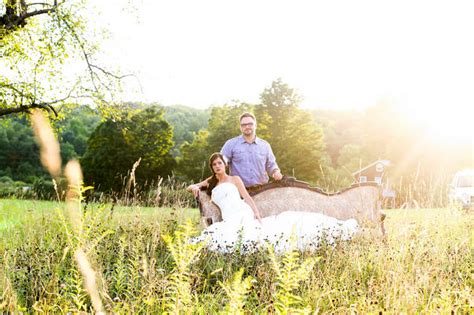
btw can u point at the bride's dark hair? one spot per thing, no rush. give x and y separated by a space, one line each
212 182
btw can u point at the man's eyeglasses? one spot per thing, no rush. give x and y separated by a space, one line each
250 124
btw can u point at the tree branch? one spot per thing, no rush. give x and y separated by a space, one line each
26 109
111 74
37 12
16 13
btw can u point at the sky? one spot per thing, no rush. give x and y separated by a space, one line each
416 55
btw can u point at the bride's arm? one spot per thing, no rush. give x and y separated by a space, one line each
195 188
243 192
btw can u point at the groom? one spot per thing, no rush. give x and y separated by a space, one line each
250 157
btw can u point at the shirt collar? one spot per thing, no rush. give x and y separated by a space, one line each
242 139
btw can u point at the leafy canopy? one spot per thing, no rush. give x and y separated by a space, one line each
116 145
47 57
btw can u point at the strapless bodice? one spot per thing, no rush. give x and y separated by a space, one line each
227 197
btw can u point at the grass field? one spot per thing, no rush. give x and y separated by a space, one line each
424 265
14 213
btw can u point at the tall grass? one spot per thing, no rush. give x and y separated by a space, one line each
428 191
424 265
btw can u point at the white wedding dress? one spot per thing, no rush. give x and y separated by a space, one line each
240 231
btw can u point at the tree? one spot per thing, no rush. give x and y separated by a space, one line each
340 127
149 137
18 146
19 153
116 145
352 158
75 129
36 40
193 163
297 141
107 157
186 122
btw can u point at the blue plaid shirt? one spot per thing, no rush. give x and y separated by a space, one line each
252 162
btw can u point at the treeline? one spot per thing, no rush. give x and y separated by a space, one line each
322 147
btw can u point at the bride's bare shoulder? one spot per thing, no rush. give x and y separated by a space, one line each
236 180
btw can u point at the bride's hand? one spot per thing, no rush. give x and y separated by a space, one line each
194 189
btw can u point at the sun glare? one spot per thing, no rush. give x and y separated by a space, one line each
445 126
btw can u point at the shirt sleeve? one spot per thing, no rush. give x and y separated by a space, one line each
271 164
226 151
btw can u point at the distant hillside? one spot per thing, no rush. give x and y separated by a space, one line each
185 121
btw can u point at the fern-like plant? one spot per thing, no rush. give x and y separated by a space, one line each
236 290
289 273
184 253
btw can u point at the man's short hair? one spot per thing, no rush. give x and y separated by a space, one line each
247 114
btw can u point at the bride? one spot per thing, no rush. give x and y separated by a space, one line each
243 228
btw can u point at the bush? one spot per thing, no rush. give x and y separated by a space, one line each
14 189
5 179
7 189
44 189
7 172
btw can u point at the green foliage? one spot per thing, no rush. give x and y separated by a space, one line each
385 131
5 180
35 72
184 253
340 128
194 162
115 146
19 153
236 290
296 140
186 122
44 189
107 157
149 137
74 131
350 159
14 189
289 273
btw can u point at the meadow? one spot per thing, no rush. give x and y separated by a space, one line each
142 263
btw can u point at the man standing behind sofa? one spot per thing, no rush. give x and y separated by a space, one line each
250 157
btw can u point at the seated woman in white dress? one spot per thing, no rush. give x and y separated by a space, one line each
242 227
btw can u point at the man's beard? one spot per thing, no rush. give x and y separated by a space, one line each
249 133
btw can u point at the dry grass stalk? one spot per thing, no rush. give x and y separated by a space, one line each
131 182
56 190
49 147
89 280
158 192
74 177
